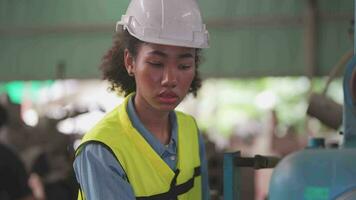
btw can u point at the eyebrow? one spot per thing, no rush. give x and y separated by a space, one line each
158 53
162 54
186 55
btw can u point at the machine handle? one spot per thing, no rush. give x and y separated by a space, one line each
257 162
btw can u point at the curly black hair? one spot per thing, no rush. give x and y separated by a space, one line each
113 66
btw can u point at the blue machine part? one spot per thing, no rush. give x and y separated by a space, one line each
314 174
231 177
349 118
318 173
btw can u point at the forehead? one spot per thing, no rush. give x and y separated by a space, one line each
147 49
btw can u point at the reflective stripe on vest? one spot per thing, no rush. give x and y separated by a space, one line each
149 176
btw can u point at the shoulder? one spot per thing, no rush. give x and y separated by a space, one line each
95 155
109 121
104 130
95 162
94 151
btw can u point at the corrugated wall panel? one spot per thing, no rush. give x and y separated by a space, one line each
38 58
248 37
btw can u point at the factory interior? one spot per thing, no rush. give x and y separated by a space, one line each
276 107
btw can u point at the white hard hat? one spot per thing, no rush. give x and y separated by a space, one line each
169 22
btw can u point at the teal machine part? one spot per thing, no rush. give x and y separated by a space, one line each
232 174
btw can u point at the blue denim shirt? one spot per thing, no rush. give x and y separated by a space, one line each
102 177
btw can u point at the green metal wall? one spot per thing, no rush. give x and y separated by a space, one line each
248 37
37 36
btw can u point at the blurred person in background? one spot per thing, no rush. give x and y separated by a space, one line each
13 175
144 149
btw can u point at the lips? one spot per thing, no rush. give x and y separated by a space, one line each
168 97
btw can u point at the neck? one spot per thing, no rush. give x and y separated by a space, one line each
157 122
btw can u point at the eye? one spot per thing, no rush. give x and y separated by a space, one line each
155 64
184 66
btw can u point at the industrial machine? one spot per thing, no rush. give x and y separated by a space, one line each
315 173
318 173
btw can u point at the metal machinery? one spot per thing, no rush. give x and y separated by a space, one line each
319 173
232 171
315 173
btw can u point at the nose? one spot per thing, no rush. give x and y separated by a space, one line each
169 78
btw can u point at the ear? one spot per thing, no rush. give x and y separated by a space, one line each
129 62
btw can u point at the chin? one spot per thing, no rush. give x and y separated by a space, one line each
167 107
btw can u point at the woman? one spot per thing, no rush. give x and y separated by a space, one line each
144 149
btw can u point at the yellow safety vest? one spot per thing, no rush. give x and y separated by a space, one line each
149 176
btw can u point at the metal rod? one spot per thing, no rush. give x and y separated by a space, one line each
257 162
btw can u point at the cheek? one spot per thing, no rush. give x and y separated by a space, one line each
152 76
187 79
147 77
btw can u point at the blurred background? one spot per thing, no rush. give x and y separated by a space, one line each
265 60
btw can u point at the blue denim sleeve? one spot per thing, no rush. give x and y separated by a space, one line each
100 175
204 169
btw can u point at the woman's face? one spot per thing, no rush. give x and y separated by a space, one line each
163 75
